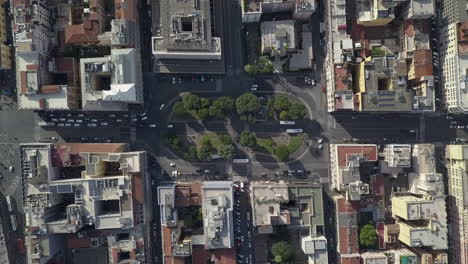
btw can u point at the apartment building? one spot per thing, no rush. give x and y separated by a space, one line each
457 158
453 50
252 10
5 50
197 222
71 187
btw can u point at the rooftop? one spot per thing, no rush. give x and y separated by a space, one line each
113 82
217 212
186 31
278 36
101 188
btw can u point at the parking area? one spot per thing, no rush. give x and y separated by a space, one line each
243 228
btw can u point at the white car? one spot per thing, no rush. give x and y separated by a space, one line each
320 147
313 82
170 126
152 125
173 80
162 107
144 118
254 87
172 164
320 140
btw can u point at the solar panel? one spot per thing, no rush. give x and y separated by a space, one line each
64 188
53 189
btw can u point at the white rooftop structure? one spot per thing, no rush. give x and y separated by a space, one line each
315 248
398 155
420 9
278 36
217 214
112 82
99 185
166 194
374 258
422 221
425 179
266 199
302 59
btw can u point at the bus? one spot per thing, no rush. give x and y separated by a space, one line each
13 222
10 207
44 124
288 123
294 131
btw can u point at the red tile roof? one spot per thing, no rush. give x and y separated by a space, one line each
50 89
32 67
380 235
167 244
350 260
86 33
188 195
422 63
23 80
137 188
409 27
341 78
126 9
378 187
75 242
344 206
348 240
370 152
225 256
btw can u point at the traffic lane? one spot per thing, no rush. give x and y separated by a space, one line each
377 121
370 135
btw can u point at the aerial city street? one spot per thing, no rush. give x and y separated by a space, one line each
233 131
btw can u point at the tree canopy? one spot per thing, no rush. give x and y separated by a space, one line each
282 152
297 111
247 104
191 102
248 139
368 236
281 103
282 252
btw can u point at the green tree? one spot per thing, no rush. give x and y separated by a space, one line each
204 103
191 102
227 151
225 139
203 113
204 152
251 69
226 103
281 103
179 110
216 112
284 115
247 104
368 236
297 111
282 152
282 252
248 139
265 65
191 154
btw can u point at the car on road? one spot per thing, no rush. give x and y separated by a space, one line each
61 124
254 87
77 125
92 125
312 82
172 164
71 120
79 120
63 119
104 123
67 124
144 118
162 107
170 126
93 120
173 80
320 140
152 125
320 146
